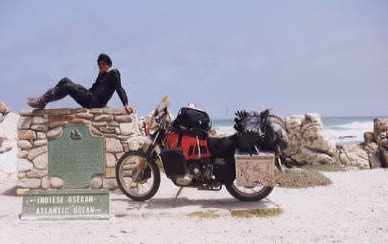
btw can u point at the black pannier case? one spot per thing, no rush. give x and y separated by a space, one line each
191 118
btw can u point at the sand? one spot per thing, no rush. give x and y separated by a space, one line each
351 210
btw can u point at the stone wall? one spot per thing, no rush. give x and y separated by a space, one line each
36 128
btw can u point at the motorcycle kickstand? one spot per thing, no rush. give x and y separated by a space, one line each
178 193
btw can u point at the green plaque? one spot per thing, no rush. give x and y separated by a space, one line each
76 156
62 204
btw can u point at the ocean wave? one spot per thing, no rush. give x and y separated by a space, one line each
349 132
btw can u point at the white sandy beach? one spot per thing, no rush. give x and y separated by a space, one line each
351 210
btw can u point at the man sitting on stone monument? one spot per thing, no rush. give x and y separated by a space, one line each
108 81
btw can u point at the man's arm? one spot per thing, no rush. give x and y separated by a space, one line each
119 89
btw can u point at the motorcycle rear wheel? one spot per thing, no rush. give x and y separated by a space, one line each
237 192
125 175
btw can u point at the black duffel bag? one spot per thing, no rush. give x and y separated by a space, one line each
191 118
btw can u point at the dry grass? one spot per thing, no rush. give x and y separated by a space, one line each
301 178
256 213
209 214
325 167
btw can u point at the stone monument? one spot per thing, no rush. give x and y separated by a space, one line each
67 160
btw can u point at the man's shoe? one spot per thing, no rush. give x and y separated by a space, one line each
36 102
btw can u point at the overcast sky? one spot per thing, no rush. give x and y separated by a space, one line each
293 56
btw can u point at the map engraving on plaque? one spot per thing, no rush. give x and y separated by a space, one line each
62 204
76 156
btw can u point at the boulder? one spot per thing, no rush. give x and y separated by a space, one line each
4 108
307 142
353 155
380 131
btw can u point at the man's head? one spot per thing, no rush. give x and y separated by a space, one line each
104 62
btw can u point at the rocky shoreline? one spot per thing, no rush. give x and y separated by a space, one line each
309 145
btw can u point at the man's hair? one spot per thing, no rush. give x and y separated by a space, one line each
104 58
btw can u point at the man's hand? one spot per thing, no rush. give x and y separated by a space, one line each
129 109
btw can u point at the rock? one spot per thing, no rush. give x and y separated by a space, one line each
96 182
110 172
24 144
45 184
380 126
113 145
40 135
29 183
369 137
353 155
21 191
38 127
85 116
103 117
24 165
4 108
123 118
22 154
109 183
21 175
41 161
42 142
36 173
54 133
127 128
33 153
56 182
26 135
307 142
110 160
39 120
54 124
24 123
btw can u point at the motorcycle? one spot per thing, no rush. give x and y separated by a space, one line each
208 164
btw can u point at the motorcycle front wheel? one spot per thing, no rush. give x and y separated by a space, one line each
137 177
248 194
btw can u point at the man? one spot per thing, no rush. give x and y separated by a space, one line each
108 81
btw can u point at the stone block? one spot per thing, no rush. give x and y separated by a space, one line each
29 183
22 154
109 183
21 191
38 143
26 135
36 173
24 165
56 182
24 144
113 145
123 118
33 153
96 182
103 117
110 172
24 123
110 160
41 161
54 133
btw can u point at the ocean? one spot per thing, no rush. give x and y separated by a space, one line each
338 129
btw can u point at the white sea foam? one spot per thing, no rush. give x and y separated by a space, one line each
350 132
